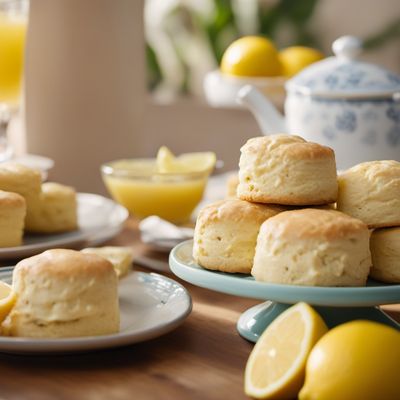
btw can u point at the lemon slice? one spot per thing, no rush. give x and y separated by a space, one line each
7 300
188 162
275 368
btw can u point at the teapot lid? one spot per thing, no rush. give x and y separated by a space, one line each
343 76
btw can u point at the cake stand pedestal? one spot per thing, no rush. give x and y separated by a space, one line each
253 322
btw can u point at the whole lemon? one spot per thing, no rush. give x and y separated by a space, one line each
356 360
295 58
251 56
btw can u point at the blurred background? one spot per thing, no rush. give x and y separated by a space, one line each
107 80
186 38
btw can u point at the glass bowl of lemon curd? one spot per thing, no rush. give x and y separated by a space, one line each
167 186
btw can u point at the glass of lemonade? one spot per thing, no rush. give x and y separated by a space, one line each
13 24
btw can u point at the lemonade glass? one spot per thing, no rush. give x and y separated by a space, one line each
13 23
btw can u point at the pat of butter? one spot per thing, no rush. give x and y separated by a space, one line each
120 257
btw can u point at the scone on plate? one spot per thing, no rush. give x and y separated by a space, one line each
226 232
313 247
385 252
23 180
55 211
63 293
370 191
120 257
12 217
285 169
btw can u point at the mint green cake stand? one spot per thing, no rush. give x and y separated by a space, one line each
336 305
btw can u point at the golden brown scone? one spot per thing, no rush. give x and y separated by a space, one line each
23 180
64 293
226 232
55 211
312 247
385 252
20 179
370 191
231 185
285 169
120 257
12 217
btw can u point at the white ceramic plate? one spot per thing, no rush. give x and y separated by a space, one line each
150 305
99 219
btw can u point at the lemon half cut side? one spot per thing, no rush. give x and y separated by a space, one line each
7 300
275 368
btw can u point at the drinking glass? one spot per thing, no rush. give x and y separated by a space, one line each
13 23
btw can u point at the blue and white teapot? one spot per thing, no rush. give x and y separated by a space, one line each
349 105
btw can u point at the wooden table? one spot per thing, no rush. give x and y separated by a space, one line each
203 359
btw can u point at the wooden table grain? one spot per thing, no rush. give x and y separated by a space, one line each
203 359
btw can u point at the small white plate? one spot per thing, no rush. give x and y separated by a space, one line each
150 306
99 219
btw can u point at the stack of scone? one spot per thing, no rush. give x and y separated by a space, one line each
370 191
28 204
281 227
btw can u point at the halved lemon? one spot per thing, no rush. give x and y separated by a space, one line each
187 162
275 368
7 300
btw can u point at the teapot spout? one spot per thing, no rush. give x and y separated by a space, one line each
268 117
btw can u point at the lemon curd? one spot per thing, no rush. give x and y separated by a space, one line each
12 40
143 190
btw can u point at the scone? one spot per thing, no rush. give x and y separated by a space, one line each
226 232
20 179
12 217
285 169
313 247
231 185
120 257
385 252
63 293
55 211
370 191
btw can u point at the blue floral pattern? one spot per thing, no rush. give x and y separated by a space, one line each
370 137
393 136
375 124
346 121
393 114
353 77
